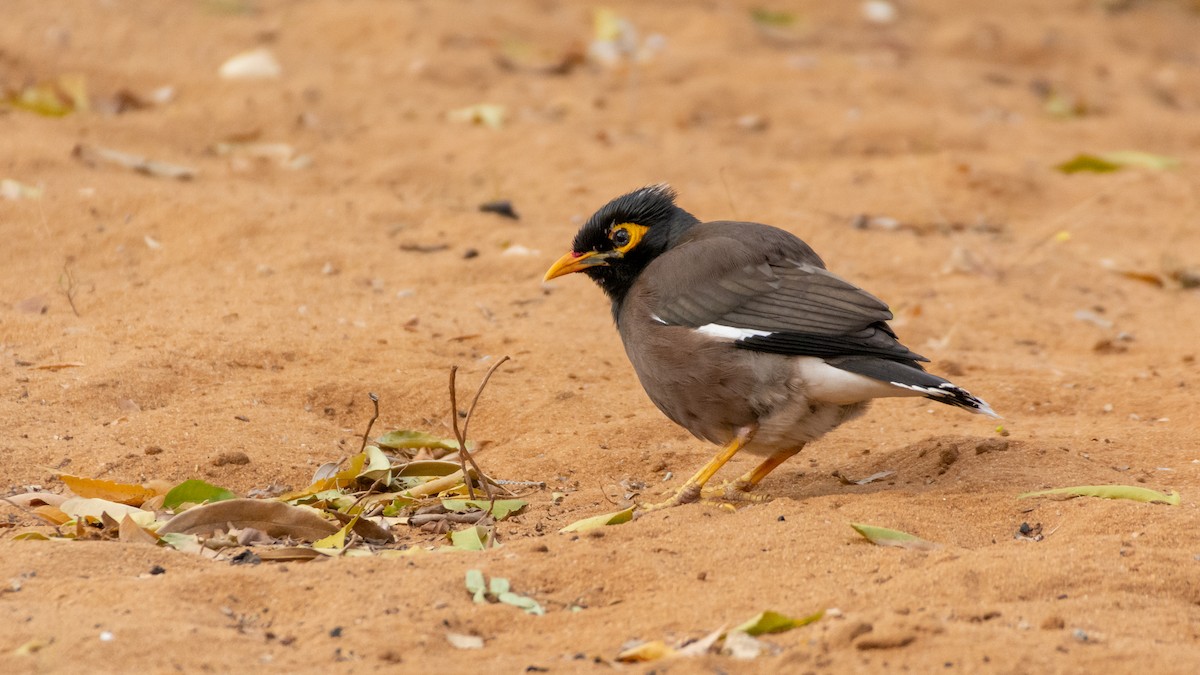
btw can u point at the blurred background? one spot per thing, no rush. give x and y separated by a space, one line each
223 222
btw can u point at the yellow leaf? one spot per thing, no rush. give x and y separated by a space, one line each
32 647
341 479
774 622
80 508
336 542
490 115
606 25
600 521
51 514
122 493
53 98
647 651
1137 494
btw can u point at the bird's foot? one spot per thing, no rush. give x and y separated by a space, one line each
728 495
733 492
690 492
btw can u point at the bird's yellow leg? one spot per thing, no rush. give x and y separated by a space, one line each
737 490
690 491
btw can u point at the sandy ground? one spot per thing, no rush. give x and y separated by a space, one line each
252 308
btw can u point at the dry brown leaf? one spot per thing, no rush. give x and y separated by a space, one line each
1144 277
32 499
110 524
364 527
132 533
700 647
277 519
59 366
122 493
289 554
91 156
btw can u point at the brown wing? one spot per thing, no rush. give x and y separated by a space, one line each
772 286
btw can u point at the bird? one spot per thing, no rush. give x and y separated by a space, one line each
739 334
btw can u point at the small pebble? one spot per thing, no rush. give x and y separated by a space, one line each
879 12
500 207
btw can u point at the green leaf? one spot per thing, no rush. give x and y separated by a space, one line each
528 604
600 521
1090 163
500 509
402 439
476 586
881 536
322 496
499 585
471 539
397 506
195 492
1137 494
774 622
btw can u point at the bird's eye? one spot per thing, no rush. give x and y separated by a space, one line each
620 237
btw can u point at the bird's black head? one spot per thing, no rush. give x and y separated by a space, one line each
620 239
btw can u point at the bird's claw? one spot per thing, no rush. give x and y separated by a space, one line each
690 492
732 494
728 495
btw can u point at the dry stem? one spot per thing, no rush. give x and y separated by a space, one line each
461 435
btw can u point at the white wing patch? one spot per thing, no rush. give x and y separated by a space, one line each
941 392
730 332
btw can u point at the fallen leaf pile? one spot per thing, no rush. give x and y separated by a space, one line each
356 507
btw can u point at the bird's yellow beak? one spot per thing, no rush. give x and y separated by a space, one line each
576 262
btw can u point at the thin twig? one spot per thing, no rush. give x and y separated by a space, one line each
458 435
375 400
461 435
604 493
371 490
67 282
487 376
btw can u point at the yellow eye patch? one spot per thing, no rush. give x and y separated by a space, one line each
627 235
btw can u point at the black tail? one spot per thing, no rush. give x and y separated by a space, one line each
911 376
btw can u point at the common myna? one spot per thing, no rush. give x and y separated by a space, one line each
740 335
